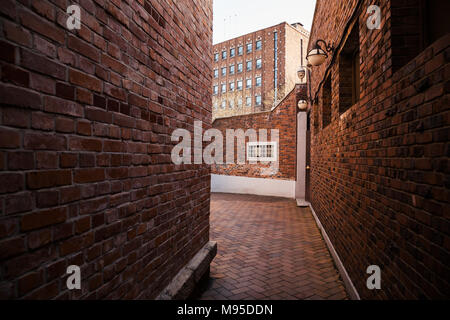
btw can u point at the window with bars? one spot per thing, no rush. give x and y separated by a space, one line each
262 151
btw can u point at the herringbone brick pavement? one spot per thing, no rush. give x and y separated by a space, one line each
268 248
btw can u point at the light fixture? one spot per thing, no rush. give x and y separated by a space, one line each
318 55
301 73
302 105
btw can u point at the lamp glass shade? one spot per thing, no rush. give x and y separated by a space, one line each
316 57
302 105
301 73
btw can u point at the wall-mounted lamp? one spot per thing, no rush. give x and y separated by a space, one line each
302 105
318 55
301 73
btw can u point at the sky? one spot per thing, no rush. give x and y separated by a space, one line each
233 18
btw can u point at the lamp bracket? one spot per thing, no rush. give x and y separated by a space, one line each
328 47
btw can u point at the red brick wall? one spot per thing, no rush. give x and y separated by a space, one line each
283 118
379 171
85 124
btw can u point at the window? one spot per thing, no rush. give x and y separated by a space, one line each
216 89
349 71
232 68
258 64
224 71
216 57
258 81
231 86
224 55
249 65
240 50
239 103
326 102
429 22
224 104
224 88
249 47
216 73
258 45
215 105
239 85
240 67
248 83
258 101
262 151
231 104
248 101
232 52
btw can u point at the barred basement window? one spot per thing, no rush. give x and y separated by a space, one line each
262 151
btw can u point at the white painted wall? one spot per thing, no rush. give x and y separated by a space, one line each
258 186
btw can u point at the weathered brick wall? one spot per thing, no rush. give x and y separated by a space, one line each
85 139
379 171
282 118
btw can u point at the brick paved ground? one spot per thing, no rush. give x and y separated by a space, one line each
268 248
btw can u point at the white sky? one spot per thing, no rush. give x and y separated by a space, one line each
245 16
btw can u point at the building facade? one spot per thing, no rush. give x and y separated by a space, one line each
86 117
253 72
380 143
276 177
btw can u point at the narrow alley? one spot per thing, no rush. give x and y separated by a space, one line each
268 248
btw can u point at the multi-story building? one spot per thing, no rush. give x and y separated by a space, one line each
253 72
